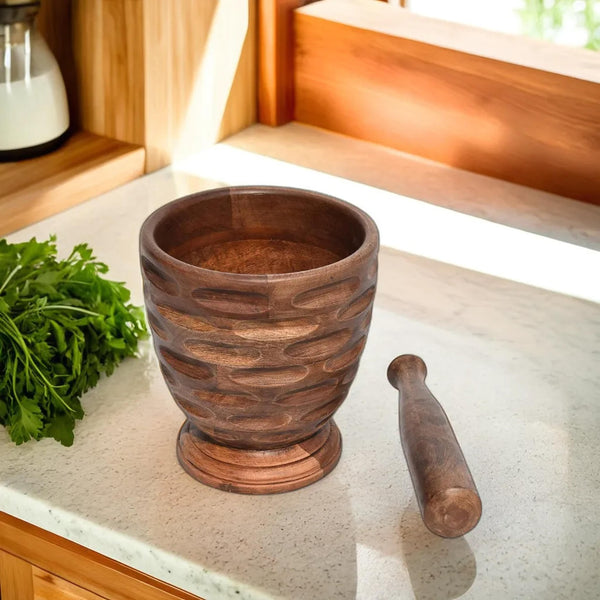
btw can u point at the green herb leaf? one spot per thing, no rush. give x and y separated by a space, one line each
62 326
26 422
61 429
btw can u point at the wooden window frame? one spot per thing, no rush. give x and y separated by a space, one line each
522 116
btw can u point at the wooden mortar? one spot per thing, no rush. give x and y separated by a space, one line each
259 300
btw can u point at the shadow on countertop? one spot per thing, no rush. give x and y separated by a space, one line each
439 568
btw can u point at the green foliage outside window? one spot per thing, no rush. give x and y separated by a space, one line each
549 19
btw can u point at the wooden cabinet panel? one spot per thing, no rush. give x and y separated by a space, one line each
147 81
174 76
49 587
20 580
16 581
75 569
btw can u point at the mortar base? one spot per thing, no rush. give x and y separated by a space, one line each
259 471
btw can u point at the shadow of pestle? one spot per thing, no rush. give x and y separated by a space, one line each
439 568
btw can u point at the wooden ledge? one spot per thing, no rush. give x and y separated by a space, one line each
513 49
86 166
362 71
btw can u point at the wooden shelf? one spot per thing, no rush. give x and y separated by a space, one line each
135 105
86 166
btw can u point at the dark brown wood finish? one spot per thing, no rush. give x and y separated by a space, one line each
259 299
447 496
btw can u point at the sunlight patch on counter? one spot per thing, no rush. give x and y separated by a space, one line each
420 228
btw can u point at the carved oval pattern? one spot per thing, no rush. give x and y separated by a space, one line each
358 305
187 321
322 413
226 399
268 331
186 365
223 354
158 278
156 325
231 303
259 423
345 359
320 347
309 395
194 408
325 296
166 373
349 374
270 377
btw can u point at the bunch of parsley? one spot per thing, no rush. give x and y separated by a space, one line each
61 326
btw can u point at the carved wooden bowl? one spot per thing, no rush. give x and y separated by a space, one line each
259 300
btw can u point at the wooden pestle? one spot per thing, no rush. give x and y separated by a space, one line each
447 496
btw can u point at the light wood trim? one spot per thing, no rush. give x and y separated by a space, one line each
200 65
503 47
241 108
276 60
508 121
108 48
173 51
81 566
49 587
16 581
54 22
86 166
174 76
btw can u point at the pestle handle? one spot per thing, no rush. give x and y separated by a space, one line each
447 496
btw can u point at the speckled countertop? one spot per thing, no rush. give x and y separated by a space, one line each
516 367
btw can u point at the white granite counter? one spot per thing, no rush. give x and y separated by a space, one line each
516 367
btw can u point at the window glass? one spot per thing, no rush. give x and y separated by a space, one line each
568 22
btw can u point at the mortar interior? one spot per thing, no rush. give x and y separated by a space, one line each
261 232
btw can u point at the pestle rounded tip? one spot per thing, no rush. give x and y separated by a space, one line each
406 366
452 512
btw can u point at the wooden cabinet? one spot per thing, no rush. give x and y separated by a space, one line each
50 587
38 565
147 81
16 578
20 580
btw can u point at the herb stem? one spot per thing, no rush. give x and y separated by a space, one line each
29 361
10 276
55 307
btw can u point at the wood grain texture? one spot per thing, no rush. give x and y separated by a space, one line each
54 22
108 48
241 108
200 63
259 299
172 75
47 586
85 166
447 496
508 121
80 566
276 60
492 199
16 582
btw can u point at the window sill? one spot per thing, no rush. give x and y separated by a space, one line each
470 99
422 207
517 50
